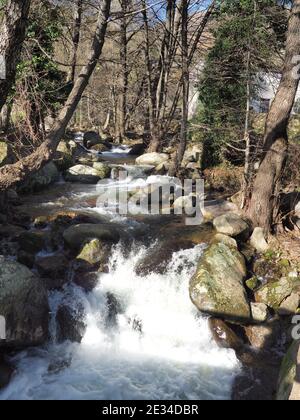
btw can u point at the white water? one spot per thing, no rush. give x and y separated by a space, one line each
171 355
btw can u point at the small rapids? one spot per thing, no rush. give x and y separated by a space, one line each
152 345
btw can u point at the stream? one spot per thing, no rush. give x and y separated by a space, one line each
158 347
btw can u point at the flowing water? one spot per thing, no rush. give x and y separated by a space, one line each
154 345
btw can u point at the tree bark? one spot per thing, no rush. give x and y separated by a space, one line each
12 37
263 203
185 89
76 37
12 174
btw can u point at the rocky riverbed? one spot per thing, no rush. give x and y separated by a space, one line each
208 307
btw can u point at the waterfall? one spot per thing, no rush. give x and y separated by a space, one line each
151 345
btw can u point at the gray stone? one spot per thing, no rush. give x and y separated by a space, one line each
230 224
217 287
152 159
258 240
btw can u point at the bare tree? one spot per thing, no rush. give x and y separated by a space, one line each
78 10
263 206
11 41
12 174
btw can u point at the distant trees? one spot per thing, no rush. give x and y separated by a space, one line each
11 174
249 37
264 201
13 30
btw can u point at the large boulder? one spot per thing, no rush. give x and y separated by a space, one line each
224 335
231 224
54 269
43 178
23 304
83 174
217 287
91 138
64 156
78 235
152 159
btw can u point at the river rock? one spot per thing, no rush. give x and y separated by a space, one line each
87 281
91 138
217 287
6 372
266 336
64 156
258 240
41 179
70 324
231 224
53 268
137 149
83 174
290 305
76 236
12 232
100 148
275 292
224 336
152 159
24 304
32 242
227 240
103 170
93 256
289 377
259 312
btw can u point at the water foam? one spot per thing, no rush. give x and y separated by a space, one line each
157 348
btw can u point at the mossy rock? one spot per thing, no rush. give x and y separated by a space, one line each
217 287
275 292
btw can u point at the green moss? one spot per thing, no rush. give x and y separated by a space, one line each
253 283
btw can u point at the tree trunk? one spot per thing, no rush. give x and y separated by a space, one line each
263 203
76 37
185 89
12 174
13 32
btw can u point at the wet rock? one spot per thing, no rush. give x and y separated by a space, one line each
76 236
6 372
83 174
114 308
231 224
32 242
70 324
26 258
10 231
24 304
55 269
158 258
224 336
217 287
43 178
258 240
274 293
152 159
87 281
91 138
100 148
137 149
259 312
